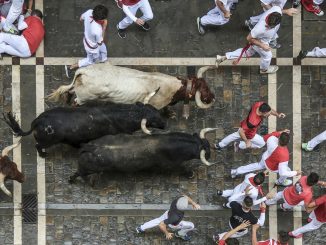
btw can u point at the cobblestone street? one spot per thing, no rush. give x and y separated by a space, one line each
108 212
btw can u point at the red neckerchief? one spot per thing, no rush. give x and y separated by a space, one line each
260 189
101 22
244 50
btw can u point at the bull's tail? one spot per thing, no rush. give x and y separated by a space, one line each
61 94
11 121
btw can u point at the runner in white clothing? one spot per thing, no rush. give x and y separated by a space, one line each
259 38
130 8
316 52
314 142
267 4
251 186
275 158
95 24
219 15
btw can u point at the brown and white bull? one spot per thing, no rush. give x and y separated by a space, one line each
106 82
8 169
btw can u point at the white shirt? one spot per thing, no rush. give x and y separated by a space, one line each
273 3
92 30
261 32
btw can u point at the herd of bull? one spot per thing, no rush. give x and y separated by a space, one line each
111 104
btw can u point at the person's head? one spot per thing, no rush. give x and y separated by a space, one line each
265 109
312 179
100 12
182 203
273 19
284 139
283 237
247 203
259 178
37 13
232 241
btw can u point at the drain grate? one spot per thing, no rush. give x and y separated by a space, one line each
30 209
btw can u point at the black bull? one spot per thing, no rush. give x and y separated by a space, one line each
78 125
131 153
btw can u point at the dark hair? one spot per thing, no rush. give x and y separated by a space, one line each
100 12
38 13
232 241
284 237
263 108
273 19
259 178
284 139
312 179
248 202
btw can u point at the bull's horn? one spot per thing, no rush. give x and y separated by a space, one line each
5 190
143 126
7 149
200 104
204 131
203 158
148 97
203 69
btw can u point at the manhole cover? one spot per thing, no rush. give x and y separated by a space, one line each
30 209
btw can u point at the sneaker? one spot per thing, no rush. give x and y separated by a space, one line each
146 26
185 237
233 173
284 209
219 59
119 3
201 29
216 238
270 70
304 146
287 182
233 6
302 54
219 192
296 3
236 146
139 230
217 147
309 220
121 32
317 11
291 235
11 30
21 23
224 205
68 71
249 24
274 45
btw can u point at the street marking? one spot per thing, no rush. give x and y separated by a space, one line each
17 157
272 101
297 213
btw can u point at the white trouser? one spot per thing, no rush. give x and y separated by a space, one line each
183 227
94 55
317 52
314 224
279 195
252 167
14 12
14 45
266 56
318 2
235 235
214 17
318 139
254 19
145 8
256 142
